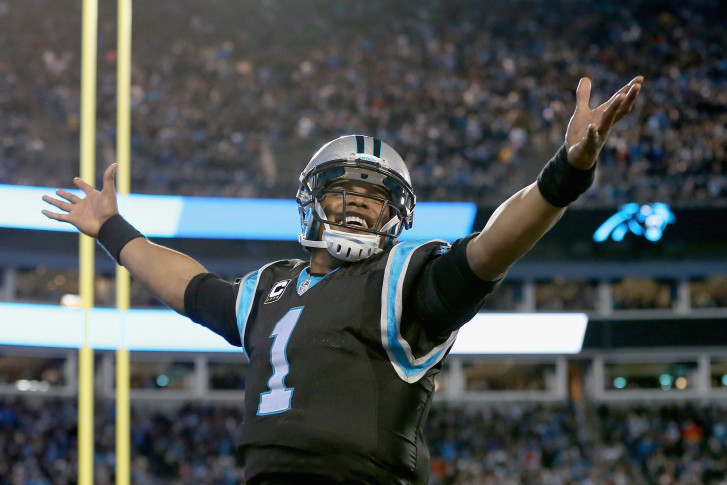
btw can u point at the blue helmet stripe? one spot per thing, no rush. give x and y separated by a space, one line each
359 144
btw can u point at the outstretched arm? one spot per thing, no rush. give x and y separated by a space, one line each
522 220
163 271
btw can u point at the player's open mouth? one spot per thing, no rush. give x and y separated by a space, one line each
356 222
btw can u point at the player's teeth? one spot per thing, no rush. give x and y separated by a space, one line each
359 220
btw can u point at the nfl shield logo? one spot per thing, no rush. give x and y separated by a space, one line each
304 287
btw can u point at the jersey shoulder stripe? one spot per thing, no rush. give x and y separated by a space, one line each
245 300
407 367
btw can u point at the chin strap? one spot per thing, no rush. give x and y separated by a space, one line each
351 247
311 244
345 246
393 222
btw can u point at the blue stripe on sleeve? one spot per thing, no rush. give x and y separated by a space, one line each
244 304
405 363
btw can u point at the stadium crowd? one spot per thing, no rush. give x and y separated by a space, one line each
538 444
230 100
671 444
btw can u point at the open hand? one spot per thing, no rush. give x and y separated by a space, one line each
588 129
87 213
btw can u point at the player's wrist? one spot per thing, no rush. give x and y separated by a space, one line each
560 183
114 234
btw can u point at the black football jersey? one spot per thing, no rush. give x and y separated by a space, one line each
341 375
342 366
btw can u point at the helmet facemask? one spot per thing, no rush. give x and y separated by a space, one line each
348 234
381 227
322 179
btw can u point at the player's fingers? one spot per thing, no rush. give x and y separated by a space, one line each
87 189
629 100
609 116
108 178
631 96
611 100
583 93
65 206
56 216
636 80
630 90
626 105
627 87
68 196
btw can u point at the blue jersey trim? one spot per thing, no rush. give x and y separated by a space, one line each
245 300
408 367
305 275
244 304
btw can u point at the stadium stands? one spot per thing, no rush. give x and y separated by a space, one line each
476 97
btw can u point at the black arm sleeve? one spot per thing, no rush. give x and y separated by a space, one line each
210 301
448 293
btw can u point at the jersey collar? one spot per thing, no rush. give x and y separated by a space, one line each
306 281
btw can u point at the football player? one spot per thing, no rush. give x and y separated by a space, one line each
343 347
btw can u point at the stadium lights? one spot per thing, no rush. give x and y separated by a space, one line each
71 301
25 385
681 383
666 381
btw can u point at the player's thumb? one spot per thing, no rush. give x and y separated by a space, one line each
108 179
592 146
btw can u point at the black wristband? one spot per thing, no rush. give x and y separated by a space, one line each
561 183
114 234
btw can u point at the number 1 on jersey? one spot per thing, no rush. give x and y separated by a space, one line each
277 399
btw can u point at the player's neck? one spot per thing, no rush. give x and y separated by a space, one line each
322 262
